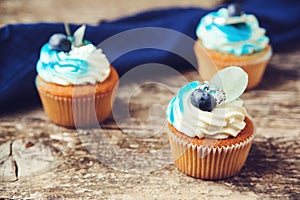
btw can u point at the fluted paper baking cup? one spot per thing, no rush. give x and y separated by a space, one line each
207 162
80 112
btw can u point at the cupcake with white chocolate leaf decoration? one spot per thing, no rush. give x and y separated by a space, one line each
209 130
75 80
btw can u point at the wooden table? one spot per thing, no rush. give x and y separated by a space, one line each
134 162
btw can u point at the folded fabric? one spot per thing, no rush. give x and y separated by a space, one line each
20 43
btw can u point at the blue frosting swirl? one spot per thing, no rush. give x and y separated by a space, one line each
239 39
51 59
179 99
82 65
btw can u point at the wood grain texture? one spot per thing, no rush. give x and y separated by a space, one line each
132 160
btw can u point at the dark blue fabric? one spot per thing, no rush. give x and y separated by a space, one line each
20 44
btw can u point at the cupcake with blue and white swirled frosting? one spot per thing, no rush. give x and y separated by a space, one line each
209 130
233 37
75 80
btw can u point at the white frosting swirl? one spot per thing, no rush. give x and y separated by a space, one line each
82 65
223 121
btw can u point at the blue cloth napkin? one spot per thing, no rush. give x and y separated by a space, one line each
20 43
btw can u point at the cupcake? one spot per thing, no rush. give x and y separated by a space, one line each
209 130
75 81
232 38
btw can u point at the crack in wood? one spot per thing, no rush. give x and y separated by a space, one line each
25 159
16 170
7 164
10 148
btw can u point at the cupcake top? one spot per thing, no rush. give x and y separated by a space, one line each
211 109
230 30
72 60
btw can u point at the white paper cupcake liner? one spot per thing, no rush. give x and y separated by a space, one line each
81 112
206 162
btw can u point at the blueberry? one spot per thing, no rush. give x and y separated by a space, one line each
59 42
203 100
235 9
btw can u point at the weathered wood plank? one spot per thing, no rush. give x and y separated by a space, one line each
131 158
127 160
